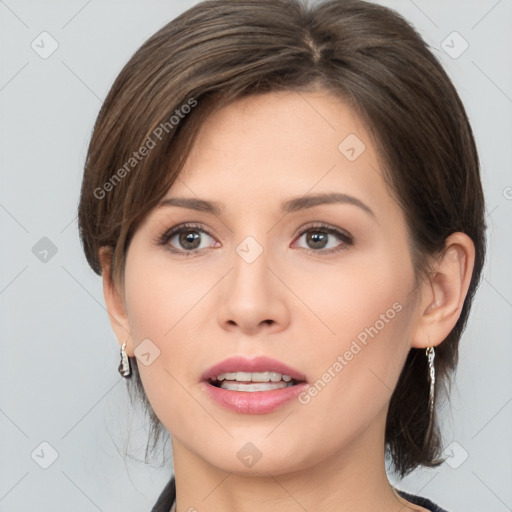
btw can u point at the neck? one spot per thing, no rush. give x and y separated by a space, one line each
353 478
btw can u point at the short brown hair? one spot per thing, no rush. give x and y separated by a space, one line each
222 50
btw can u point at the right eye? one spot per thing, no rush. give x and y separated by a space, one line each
187 237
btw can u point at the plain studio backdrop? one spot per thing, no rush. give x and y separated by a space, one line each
65 416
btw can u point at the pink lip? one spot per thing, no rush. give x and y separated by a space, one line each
258 402
258 364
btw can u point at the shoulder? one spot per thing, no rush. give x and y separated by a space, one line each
421 501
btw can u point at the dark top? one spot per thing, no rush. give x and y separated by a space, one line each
168 495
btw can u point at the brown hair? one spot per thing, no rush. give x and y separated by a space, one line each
221 50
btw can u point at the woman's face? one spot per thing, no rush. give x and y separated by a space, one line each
326 288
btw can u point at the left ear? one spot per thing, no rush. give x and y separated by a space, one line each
443 292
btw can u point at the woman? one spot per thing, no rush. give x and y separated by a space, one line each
284 203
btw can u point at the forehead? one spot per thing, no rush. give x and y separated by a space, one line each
278 121
258 149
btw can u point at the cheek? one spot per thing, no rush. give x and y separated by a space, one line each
164 306
160 295
354 377
351 294
365 308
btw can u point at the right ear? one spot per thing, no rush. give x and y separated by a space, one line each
114 301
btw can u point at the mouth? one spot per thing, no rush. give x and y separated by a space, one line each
252 386
252 375
253 381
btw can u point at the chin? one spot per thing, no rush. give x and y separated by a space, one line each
254 458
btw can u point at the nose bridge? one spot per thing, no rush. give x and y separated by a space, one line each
252 296
250 273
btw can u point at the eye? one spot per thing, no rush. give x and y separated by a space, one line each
322 239
188 239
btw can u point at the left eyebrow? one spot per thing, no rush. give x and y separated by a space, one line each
311 200
291 205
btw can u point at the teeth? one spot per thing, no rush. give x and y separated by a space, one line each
254 377
262 386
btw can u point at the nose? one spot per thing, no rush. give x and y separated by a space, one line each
253 295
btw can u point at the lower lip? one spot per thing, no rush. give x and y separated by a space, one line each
257 402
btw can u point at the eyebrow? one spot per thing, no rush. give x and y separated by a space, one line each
291 205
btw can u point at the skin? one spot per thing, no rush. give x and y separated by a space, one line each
294 303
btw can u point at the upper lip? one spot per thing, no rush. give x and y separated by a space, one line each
257 364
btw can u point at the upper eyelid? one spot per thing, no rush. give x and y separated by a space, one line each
187 225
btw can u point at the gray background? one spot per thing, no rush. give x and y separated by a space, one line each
59 380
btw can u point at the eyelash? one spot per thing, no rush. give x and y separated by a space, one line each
324 228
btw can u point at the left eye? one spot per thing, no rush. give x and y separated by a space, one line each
317 238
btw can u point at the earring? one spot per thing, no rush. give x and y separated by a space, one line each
124 368
432 375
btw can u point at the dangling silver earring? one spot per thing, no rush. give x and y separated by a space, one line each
432 375
124 368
